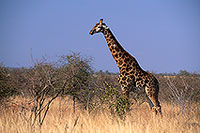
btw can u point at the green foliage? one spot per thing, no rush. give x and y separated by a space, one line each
114 99
122 106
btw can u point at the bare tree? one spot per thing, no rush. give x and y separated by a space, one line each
45 81
41 84
181 96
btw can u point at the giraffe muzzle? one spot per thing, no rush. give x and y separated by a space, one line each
91 32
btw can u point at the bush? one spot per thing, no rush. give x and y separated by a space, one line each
6 88
79 84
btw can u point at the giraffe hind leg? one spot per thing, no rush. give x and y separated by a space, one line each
155 106
152 97
150 103
152 106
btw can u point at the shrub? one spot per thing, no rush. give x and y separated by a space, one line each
6 88
79 83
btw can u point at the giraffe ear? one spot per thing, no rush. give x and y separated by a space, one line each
101 20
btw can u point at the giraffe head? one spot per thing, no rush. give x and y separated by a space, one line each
99 27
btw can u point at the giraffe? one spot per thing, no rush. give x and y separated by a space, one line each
132 77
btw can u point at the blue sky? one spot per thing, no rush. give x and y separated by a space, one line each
163 35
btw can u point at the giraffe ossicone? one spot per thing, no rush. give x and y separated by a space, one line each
132 77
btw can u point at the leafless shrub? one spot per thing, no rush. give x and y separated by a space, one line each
45 81
40 83
181 96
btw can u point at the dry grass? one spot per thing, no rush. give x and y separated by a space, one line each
139 120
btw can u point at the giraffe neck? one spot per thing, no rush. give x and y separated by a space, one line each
123 59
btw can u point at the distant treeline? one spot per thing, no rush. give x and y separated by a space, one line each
180 73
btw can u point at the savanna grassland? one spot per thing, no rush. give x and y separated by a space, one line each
139 119
68 96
